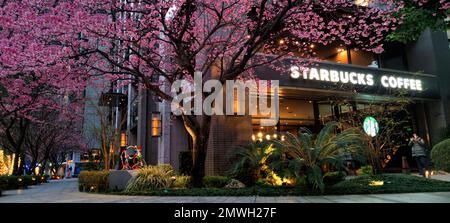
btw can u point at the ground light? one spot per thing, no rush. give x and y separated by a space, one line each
375 183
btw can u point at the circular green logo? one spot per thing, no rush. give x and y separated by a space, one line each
371 126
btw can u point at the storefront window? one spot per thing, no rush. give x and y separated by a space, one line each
363 58
325 113
374 108
294 114
339 53
336 53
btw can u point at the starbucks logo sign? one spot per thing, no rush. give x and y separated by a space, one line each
371 126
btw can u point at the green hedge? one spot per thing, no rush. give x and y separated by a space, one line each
215 181
440 154
93 181
32 180
204 192
16 182
392 183
365 170
3 184
332 178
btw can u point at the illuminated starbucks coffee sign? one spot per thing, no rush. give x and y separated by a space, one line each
356 78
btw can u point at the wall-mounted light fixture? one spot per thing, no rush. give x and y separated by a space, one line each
123 139
156 124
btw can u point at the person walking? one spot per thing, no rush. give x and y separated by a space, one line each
419 153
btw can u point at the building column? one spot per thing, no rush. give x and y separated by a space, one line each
435 62
164 139
141 126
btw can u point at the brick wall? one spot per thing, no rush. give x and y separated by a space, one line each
227 133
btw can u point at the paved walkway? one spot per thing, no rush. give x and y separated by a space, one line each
66 191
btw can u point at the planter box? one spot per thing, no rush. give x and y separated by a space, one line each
118 179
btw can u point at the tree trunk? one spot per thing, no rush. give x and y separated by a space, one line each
19 160
20 168
16 164
105 158
199 150
33 166
17 146
42 169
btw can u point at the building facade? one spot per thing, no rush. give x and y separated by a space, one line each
421 69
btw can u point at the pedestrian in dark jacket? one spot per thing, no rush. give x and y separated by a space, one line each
419 153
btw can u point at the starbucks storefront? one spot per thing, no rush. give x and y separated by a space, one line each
399 103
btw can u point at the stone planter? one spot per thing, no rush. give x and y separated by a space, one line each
118 179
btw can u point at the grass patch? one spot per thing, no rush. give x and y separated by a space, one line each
393 183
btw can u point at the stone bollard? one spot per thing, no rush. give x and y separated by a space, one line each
405 166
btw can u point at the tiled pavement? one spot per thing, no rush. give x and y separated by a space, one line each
65 191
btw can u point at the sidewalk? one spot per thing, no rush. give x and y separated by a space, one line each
66 191
440 176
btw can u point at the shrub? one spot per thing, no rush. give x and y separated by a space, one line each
440 154
31 180
263 183
12 182
93 181
44 178
27 180
91 166
365 170
331 146
166 167
3 183
185 161
216 181
252 162
332 178
301 183
392 183
181 181
151 177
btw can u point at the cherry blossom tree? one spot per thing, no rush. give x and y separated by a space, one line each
53 130
37 67
156 43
